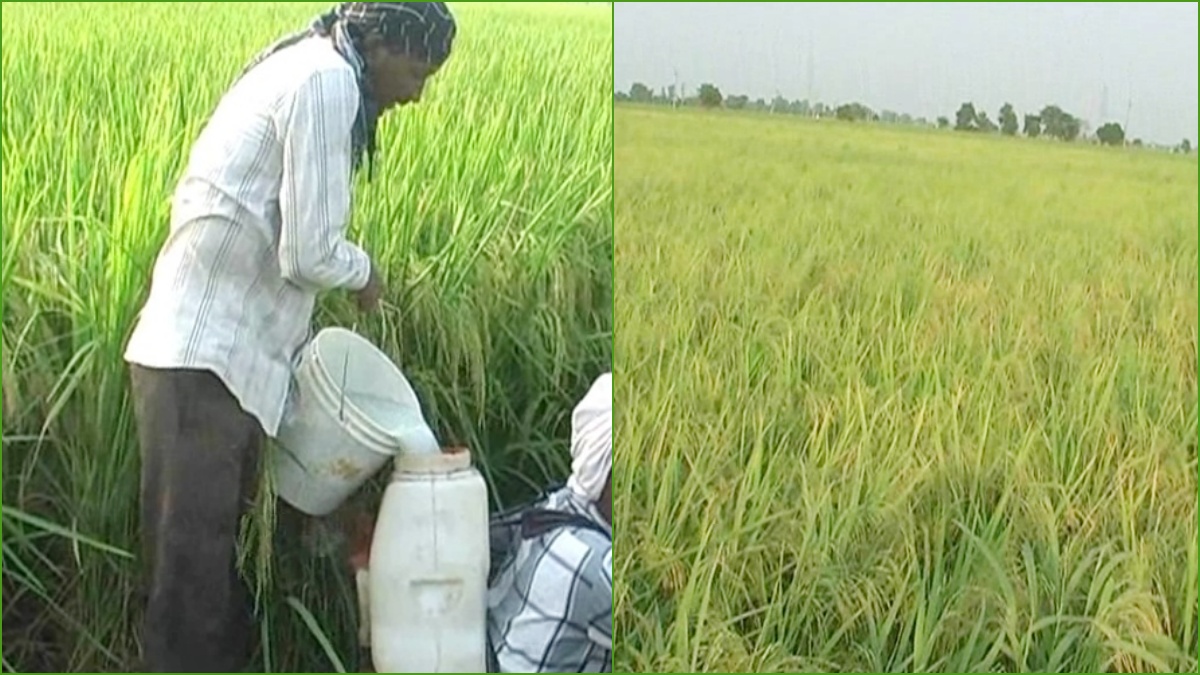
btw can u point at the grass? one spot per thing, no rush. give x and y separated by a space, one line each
491 215
902 401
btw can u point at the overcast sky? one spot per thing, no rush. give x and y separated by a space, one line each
926 59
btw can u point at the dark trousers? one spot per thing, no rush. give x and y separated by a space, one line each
200 455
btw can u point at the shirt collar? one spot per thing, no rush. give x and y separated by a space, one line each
566 499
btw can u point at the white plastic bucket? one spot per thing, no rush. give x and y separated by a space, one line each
350 411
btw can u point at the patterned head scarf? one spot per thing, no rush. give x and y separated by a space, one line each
591 441
421 30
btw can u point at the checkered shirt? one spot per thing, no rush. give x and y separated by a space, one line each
551 610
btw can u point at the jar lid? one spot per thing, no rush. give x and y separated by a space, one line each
447 461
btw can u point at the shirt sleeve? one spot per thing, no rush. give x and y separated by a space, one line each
600 625
315 191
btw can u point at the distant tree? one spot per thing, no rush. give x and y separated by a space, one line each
943 123
1051 117
855 112
710 96
1072 127
1185 147
1111 134
737 102
640 93
622 96
1008 120
1137 143
1033 126
1060 124
965 117
984 124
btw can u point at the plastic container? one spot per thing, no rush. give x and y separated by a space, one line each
427 575
350 411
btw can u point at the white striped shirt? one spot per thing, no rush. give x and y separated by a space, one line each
257 229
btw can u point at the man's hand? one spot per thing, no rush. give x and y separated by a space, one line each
360 531
368 297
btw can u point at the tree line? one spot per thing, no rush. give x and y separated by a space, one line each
1049 122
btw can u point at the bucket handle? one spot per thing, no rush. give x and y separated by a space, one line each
345 375
342 393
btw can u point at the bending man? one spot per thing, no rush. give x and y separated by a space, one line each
257 230
550 610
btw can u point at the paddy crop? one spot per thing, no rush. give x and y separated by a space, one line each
901 401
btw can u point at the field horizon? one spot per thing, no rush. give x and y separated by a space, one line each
899 400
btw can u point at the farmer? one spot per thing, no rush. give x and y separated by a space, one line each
551 610
257 230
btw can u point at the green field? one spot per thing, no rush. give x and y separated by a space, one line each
491 214
902 401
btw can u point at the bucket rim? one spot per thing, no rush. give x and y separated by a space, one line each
362 429
326 382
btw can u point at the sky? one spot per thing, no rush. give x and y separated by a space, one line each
1098 61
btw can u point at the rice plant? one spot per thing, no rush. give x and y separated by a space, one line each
490 214
902 401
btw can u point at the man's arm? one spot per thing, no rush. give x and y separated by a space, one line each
315 193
